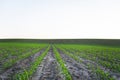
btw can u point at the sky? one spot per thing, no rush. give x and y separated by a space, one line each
56 19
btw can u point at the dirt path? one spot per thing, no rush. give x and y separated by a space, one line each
19 67
48 69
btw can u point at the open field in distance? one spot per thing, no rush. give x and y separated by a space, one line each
81 59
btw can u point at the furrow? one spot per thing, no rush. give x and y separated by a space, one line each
20 66
48 69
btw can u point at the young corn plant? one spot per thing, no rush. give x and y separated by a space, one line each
102 75
29 72
62 65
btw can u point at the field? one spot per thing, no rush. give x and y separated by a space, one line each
48 61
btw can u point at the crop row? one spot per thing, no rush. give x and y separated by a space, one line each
105 56
62 65
26 75
9 55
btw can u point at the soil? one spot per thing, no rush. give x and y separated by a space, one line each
93 64
78 71
84 65
49 69
19 67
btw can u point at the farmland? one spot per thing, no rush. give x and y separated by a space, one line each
48 61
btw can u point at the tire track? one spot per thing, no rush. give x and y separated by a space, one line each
48 69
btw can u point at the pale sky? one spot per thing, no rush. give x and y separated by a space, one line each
60 19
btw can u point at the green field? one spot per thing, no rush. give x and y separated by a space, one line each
21 60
